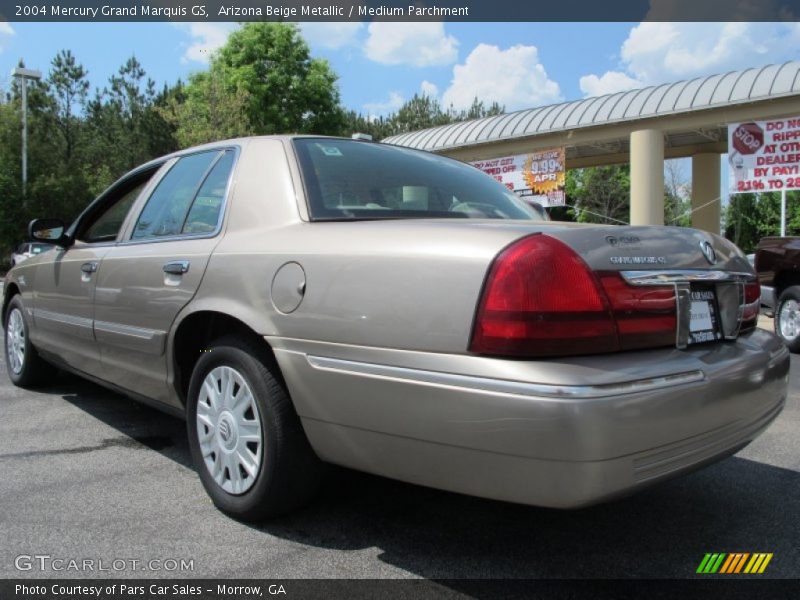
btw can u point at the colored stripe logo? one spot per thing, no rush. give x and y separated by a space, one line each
735 562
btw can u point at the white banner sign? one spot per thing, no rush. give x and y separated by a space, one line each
536 176
764 156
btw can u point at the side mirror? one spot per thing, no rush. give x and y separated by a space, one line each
48 230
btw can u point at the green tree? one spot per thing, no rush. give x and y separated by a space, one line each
125 126
420 112
599 194
750 217
478 110
378 127
54 187
69 86
677 194
12 218
266 69
205 111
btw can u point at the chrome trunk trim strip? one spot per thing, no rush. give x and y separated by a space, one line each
662 277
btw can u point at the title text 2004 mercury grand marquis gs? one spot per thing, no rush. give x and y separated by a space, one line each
308 299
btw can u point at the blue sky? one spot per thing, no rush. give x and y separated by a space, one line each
519 65
380 65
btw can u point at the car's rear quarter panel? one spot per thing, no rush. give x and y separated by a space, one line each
404 293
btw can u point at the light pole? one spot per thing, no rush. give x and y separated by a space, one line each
23 75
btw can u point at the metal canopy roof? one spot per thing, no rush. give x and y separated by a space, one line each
714 91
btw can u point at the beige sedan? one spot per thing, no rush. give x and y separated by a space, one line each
302 300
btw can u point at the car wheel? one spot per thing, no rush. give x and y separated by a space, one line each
245 437
787 317
24 365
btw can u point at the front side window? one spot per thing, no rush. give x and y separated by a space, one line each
104 226
352 180
168 208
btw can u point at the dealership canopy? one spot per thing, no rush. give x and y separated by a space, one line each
644 126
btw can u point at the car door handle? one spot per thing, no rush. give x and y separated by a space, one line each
176 267
89 267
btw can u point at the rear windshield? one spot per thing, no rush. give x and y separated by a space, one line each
352 180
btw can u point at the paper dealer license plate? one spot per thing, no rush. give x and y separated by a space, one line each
703 323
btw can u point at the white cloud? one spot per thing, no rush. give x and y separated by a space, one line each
206 38
429 89
376 109
609 83
415 44
330 35
656 53
5 32
513 77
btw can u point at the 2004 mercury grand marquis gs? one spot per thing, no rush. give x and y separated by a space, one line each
308 299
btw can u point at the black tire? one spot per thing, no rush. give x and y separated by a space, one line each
289 473
783 310
35 370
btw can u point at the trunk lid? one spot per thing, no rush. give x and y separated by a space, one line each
631 248
662 285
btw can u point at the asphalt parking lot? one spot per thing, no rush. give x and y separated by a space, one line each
85 473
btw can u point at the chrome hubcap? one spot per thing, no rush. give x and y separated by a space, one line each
229 430
789 320
15 341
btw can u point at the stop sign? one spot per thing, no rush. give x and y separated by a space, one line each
748 138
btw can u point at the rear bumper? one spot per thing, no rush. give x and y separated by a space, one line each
563 433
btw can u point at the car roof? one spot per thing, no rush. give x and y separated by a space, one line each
227 143
238 141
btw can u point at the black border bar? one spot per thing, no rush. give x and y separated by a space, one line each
398 10
728 587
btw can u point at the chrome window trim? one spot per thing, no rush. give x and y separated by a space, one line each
129 241
502 386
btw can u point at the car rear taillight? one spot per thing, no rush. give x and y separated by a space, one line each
752 305
645 315
541 299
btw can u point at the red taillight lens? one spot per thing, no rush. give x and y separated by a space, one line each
752 292
645 315
541 299
752 305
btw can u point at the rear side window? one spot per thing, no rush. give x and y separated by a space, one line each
189 198
205 211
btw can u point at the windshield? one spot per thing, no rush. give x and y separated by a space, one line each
351 180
